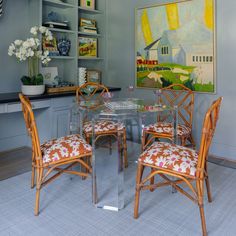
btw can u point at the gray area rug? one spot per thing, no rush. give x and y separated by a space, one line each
66 208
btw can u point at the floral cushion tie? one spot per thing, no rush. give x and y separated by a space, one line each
167 128
66 147
171 156
103 126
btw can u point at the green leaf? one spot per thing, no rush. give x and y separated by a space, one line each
26 80
35 80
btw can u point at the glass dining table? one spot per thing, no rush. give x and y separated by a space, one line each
108 151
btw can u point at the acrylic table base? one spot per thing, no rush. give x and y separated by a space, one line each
108 173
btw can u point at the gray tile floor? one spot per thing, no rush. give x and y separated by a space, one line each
66 208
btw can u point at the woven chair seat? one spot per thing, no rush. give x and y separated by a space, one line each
103 126
67 147
166 128
171 156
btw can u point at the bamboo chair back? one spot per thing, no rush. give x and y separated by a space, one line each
181 96
99 89
208 131
31 128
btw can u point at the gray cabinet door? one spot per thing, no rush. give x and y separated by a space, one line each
61 119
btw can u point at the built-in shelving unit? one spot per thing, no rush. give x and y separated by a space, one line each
98 14
71 11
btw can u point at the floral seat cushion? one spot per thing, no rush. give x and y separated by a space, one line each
167 128
103 126
66 147
172 157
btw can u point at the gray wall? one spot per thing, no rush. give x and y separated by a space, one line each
120 60
14 24
121 64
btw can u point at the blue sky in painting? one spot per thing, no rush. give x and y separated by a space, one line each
189 11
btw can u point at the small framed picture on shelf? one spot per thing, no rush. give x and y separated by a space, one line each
87 23
88 4
49 75
87 47
50 46
94 76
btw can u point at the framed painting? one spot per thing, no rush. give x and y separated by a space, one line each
51 46
49 75
175 43
88 4
87 47
94 76
87 23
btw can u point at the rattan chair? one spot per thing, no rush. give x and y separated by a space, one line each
185 164
103 128
58 155
163 129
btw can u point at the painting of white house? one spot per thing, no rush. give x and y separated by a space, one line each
175 44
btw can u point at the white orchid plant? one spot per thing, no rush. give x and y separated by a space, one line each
31 50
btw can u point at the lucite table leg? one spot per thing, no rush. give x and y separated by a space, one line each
108 170
120 169
94 178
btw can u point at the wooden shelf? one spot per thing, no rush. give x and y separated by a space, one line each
89 11
56 3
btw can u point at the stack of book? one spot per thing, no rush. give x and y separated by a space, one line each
88 29
59 25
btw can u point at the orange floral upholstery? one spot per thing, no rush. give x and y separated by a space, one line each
66 147
102 126
167 129
172 157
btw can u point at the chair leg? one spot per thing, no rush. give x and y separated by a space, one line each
83 169
201 206
152 180
125 149
137 191
191 140
32 176
38 188
33 171
208 184
183 141
143 141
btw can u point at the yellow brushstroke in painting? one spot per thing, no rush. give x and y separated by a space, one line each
208 16
172 16
147 33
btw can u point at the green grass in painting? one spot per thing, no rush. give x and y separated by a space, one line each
173 65
168 75
204 87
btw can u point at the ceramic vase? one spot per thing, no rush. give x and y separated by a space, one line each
64 47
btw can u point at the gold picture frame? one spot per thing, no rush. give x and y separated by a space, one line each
50 46
87 22
94 75
88 4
